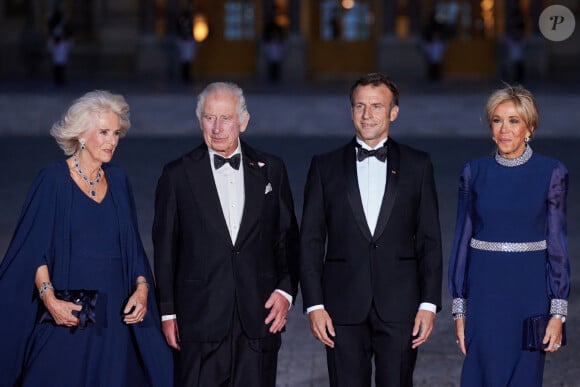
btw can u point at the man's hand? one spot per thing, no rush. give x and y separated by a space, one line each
423 327
279 306
171 332
321 326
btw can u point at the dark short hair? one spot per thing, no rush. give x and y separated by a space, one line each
376 79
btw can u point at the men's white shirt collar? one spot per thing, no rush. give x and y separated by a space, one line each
365 146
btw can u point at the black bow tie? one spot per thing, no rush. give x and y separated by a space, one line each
219 161
380 154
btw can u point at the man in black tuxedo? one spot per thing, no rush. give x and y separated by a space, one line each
226 251
370 246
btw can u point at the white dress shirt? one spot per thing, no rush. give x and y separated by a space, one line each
230 187
372 180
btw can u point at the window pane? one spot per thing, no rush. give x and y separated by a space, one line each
239 20
347 20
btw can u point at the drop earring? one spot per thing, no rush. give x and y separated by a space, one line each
82 146
526 140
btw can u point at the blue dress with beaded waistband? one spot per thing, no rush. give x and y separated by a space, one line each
515 201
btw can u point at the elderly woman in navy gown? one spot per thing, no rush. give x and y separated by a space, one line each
78 231
509 259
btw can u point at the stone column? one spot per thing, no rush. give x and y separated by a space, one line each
33 44
398 58
294 12
415 24
267 11
151 56
147 17
536 9
295 63
536 56
389 17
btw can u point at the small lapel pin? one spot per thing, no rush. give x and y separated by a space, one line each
393 172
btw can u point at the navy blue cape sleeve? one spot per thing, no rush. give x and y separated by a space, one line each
156 354
30 248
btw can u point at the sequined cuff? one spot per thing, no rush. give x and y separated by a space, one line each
558 306
459 306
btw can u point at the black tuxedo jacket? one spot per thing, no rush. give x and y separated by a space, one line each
346 268
200 274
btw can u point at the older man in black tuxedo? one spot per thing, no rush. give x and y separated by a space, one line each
226 251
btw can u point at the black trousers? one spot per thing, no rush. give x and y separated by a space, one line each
350 361
236 361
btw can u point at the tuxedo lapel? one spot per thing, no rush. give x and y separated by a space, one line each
202 183
393 160
255 182
352 189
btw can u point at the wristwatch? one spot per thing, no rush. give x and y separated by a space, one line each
560 317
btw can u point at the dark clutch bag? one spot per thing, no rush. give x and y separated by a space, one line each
86 298
534 331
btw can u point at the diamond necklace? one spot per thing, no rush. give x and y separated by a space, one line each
91 183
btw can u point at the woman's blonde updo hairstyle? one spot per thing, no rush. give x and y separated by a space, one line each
522 98
81 115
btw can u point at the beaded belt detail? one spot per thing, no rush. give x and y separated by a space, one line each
508 247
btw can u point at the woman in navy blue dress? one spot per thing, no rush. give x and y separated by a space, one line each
509 259
78 230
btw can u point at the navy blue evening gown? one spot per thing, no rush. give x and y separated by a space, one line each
515 204
103 354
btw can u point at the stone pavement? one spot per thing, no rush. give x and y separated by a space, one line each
296 125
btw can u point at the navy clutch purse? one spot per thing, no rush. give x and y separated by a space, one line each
86 298
534 331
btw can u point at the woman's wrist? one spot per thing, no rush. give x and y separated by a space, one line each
142 284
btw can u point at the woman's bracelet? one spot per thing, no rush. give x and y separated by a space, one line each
44 286
457 316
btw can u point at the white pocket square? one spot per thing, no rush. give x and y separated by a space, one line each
268 189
